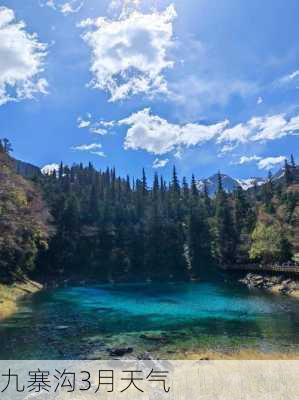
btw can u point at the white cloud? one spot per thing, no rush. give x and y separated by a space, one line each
130 55
227 148
248 159
71 7
259 100
269 128
160 163
87 147
290 77
107 124
65 7
98 153
294 74
50 168
125 7
238 133
293 124
48 3
83 123
98 130
260 129
262 163
21 60
94 127
271 162
92 148
158 136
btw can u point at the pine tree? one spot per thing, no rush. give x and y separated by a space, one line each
244 221
207 200
287 173
268 193
219 182
60 171
225 235
199 240
185 188
194 189
175 185
144 184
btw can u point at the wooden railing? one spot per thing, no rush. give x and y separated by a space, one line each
286 268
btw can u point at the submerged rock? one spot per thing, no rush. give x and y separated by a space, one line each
145 356
120 351
154 338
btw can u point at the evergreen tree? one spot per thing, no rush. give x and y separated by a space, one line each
194 189
104 226
225 235
287 173
207 200
199 240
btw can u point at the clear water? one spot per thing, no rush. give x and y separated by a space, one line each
163 319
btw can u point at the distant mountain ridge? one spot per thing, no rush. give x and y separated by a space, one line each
25 169
229 183
28 170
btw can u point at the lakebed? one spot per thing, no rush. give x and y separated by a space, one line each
208 320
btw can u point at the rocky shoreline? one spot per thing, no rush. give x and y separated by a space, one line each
275 284
11 294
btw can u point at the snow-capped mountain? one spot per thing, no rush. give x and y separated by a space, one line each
49 169
249 183
229 183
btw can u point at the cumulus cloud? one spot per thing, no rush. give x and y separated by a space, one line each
259 129
65 7
248 159
21 60
159 163
130 55
262 163
158 136
271 162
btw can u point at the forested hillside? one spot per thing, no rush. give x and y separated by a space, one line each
111 228
120 229
23 221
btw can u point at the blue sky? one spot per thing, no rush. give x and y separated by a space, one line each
204 85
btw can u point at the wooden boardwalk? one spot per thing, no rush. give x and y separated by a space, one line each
285 268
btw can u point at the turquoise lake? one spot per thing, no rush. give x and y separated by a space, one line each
164 320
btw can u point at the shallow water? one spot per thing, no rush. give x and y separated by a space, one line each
163 319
